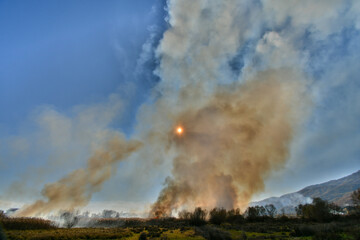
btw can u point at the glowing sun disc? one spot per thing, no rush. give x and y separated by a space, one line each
179 130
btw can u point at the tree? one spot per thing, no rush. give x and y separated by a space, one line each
184 215
2 214
299 210
233 212
319 210
270 210
198 217
70 219
218 216
355 196
234 216
110 214
261 210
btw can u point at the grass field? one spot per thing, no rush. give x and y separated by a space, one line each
133 229
98 233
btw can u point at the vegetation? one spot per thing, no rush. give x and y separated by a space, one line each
294 228
198 217
26 223
218 216
355 196
318 220
319 210
70 219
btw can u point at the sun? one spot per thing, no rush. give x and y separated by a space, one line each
179 130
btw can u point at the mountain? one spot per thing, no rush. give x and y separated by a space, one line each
337 191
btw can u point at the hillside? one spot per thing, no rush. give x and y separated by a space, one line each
338 191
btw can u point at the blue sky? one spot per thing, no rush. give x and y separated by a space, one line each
65 61
66 53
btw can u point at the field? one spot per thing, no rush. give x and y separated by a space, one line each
277 228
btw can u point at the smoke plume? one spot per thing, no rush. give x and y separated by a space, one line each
231 144
236 131
75 189
236 128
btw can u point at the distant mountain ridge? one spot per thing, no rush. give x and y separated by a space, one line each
337 191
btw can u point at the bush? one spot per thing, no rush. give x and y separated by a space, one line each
143 236
303 231
212 233
327 236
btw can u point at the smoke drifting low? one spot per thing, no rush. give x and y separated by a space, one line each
233 143
75 190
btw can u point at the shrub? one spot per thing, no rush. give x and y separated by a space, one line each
303 231
143 236
212 233
327 236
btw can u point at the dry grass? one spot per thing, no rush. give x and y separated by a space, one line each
26 223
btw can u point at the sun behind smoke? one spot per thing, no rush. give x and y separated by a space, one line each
179 130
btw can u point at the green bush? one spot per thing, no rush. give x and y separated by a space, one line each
303 231
143 236
212 233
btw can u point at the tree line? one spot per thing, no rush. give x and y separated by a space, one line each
319 210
